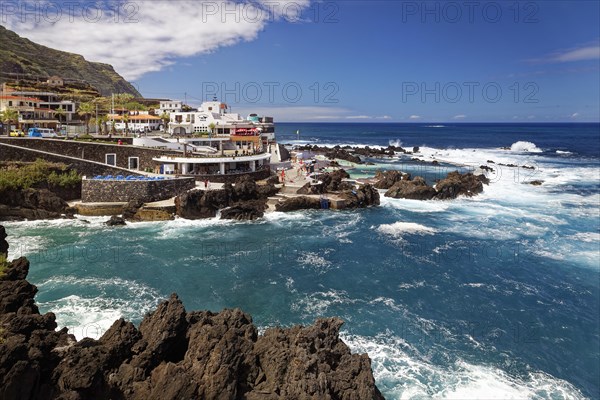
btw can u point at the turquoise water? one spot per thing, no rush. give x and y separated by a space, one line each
495 296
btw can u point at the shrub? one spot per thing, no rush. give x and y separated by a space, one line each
40 172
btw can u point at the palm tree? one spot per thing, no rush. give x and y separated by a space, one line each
165 118
86 110
59 113
135 106
126 120
211 128
9 116
102 120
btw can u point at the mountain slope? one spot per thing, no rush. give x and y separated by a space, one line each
22 58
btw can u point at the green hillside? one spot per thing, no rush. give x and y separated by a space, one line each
20 58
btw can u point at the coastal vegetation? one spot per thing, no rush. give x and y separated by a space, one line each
8 117
18 176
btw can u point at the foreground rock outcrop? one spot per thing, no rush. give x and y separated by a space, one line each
31 204
387 179
244 200
455 184
174 354
353 153
334 192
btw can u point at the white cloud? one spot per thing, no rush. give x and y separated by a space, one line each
326 117
530 116
358 117
459 116
147 36
296 113
414 117
384 117
583 53
574 115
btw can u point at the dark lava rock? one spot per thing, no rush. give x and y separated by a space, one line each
298 203
244 210
131 209
330 182
115 221
272 180
486 168
364 196
29 344
536 183
3 243
508 165
174 354
387 179
457 184
197 204
31 204
415 189
341 154
416 149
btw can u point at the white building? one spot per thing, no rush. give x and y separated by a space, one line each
30 111
55 81
51 100
214 141
169 106
214 119
137 121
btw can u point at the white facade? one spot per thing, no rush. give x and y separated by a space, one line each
51 101
213 119
138 121
169 106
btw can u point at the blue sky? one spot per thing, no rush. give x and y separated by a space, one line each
352 61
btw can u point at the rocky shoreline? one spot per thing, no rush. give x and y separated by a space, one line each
249 200
173 354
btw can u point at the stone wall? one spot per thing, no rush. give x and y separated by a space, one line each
231 178
89 168
97 191
92 151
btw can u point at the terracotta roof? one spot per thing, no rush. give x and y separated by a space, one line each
20 98
143 116
136 117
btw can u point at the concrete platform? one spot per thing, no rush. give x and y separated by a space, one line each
98 209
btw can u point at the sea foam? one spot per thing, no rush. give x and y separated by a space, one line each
397 229
402 373
525 147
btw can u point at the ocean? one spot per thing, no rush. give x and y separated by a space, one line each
495 296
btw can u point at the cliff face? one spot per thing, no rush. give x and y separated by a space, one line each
27 59
174 354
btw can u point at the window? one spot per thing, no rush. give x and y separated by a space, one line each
110 159
134 163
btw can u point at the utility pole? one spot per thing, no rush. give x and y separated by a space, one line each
112 114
